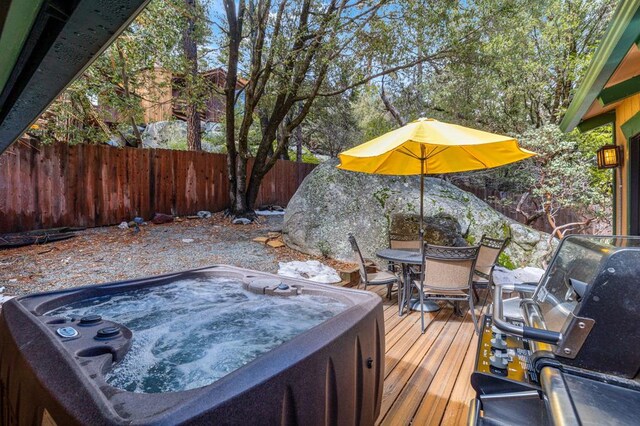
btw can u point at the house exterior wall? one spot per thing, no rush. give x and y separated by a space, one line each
627 109
156 93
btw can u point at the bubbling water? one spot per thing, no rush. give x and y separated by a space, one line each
190 333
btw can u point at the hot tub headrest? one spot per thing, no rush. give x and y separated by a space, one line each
272 287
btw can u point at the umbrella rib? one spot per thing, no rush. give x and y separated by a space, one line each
405 151
436 152
479 160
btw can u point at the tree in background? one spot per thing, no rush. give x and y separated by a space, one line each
105 103
517 79
195 31
294 52
330 75
561 176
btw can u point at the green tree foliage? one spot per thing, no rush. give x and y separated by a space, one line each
332 74
561 176
105 103
295 52
515 76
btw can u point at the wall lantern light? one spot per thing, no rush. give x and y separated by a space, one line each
609 157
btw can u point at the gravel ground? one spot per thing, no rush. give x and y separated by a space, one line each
111 254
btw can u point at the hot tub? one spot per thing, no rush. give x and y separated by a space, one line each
219 345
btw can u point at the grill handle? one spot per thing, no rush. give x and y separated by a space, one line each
526 332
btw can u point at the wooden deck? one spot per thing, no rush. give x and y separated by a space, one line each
427 376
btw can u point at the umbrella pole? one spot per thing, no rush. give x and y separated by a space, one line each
420 304
421 204
422 160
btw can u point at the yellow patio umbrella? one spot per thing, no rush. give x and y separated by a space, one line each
428 146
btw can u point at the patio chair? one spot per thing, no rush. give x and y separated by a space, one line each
405 245
372 278
490 249
401 245
447 274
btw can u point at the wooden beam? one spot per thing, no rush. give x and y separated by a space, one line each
619 91
597 121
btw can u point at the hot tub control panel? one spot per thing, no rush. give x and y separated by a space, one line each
90 336
67 332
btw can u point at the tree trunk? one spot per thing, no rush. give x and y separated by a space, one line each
127 93
298 138
299 144
390 107
191 56
236 163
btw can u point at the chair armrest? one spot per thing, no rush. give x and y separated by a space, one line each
370 265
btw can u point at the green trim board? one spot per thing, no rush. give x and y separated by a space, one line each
18 23
631 127
622 33
627 228
619 91
615 181
614 196
597 121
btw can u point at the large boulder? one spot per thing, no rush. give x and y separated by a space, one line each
173 135
332 203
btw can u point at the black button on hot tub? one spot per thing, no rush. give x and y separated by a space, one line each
90 319
107 333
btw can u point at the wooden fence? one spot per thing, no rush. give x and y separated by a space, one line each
96 185
506 204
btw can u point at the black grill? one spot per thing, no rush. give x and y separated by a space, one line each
576 333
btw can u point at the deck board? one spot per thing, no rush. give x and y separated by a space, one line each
427 376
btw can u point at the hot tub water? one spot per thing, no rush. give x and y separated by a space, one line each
190 333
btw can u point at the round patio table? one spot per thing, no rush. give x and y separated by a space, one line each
406 258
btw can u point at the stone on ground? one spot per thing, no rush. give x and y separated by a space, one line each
241 221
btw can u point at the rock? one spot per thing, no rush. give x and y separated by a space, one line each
330 203
523 235
187 240
160 218
265 212
173 135
204 214
275 228
441 229
241 221
123 225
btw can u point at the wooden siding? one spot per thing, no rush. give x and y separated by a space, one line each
156 95
96 185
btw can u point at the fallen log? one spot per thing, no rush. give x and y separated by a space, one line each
34 237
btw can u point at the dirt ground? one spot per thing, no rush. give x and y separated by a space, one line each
111 254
